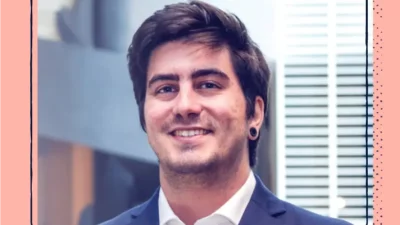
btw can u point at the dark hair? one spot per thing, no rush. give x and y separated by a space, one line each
201 23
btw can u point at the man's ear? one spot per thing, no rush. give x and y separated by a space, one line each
257 119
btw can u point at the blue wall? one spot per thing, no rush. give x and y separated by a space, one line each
85 96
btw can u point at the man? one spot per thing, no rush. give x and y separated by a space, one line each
201 86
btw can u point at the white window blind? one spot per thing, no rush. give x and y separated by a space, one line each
321 106
47 24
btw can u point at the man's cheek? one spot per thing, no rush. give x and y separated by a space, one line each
151 114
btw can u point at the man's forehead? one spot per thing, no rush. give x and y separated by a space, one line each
188 51
183 59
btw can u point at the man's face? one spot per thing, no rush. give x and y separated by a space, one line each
194 108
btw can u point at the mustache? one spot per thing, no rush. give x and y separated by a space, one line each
206 123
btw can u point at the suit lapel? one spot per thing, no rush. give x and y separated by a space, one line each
263 208
147 213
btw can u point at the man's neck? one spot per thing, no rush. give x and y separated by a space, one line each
191 201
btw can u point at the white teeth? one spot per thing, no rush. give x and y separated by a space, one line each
189 133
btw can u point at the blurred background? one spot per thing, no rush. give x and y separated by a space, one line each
94 160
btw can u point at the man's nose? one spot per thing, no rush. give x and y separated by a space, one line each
187 104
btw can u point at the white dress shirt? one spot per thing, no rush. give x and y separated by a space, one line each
229 214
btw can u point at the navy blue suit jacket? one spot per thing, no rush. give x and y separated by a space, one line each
264 208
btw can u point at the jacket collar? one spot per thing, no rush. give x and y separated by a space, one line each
263 208
146 213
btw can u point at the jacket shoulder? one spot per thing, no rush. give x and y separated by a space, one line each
305 217
125 217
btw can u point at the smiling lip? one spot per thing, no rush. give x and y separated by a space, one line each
189 132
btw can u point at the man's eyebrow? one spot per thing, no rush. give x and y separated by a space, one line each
208 72
196 74
163 77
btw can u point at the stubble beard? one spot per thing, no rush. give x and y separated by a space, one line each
215 171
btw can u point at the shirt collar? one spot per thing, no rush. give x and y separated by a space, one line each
233 209
165 212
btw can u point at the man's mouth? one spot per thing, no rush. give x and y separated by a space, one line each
190 132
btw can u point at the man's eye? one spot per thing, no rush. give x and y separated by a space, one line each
209 85
166 89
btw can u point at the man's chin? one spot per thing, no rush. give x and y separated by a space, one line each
191 167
